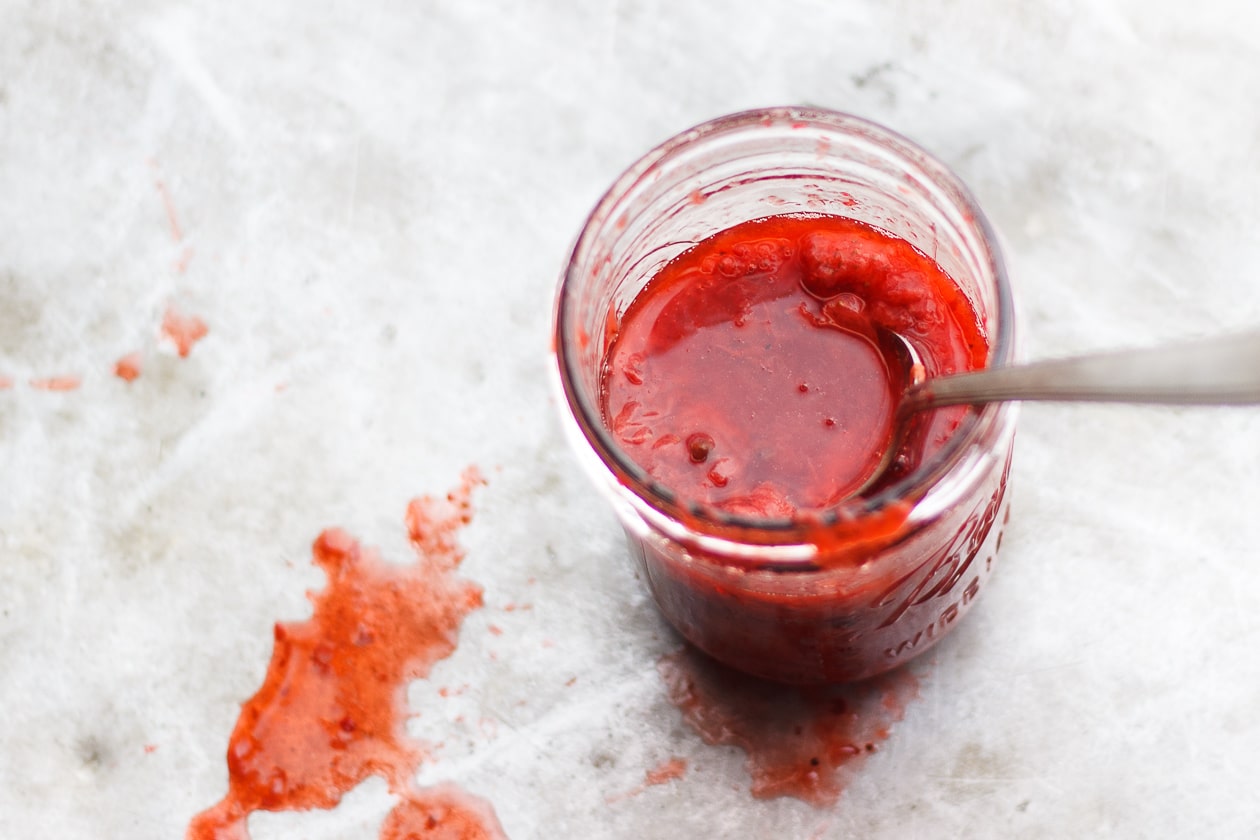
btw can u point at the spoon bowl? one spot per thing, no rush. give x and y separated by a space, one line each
1223 370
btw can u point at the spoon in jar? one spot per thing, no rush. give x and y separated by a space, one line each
1224 370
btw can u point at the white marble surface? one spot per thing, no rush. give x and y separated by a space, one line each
373 202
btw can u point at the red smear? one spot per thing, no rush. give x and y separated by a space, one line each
820 830
149 749
442 813
495 630
807 743
183 330
185 257
56 383
128 367
176 233
332 707
675 768
515 607
5 383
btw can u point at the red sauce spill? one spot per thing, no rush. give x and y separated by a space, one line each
806 743
441 813
56 383
749 373
183 330
332 707
128 367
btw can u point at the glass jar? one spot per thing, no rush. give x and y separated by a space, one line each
857 589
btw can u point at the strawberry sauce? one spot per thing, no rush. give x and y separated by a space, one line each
748 374
182 330
332 707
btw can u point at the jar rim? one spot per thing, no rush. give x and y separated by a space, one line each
704 517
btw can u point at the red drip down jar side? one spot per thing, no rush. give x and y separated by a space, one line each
813 596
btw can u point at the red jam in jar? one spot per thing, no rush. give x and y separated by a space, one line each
749 374
721 349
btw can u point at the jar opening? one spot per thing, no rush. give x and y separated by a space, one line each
755 164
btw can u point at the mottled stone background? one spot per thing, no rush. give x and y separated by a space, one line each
368 206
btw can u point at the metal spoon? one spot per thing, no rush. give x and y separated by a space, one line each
1224 370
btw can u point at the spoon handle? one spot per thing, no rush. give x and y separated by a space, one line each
1217 371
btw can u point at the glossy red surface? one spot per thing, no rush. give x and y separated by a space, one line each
748 374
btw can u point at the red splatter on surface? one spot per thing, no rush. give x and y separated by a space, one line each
495 630
675 768
5 383
332 707
820 830
149 749
183 330
803 742
128 367
668 771
169 205
441 813
185 257
56 383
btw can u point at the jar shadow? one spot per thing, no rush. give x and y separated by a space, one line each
805 742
